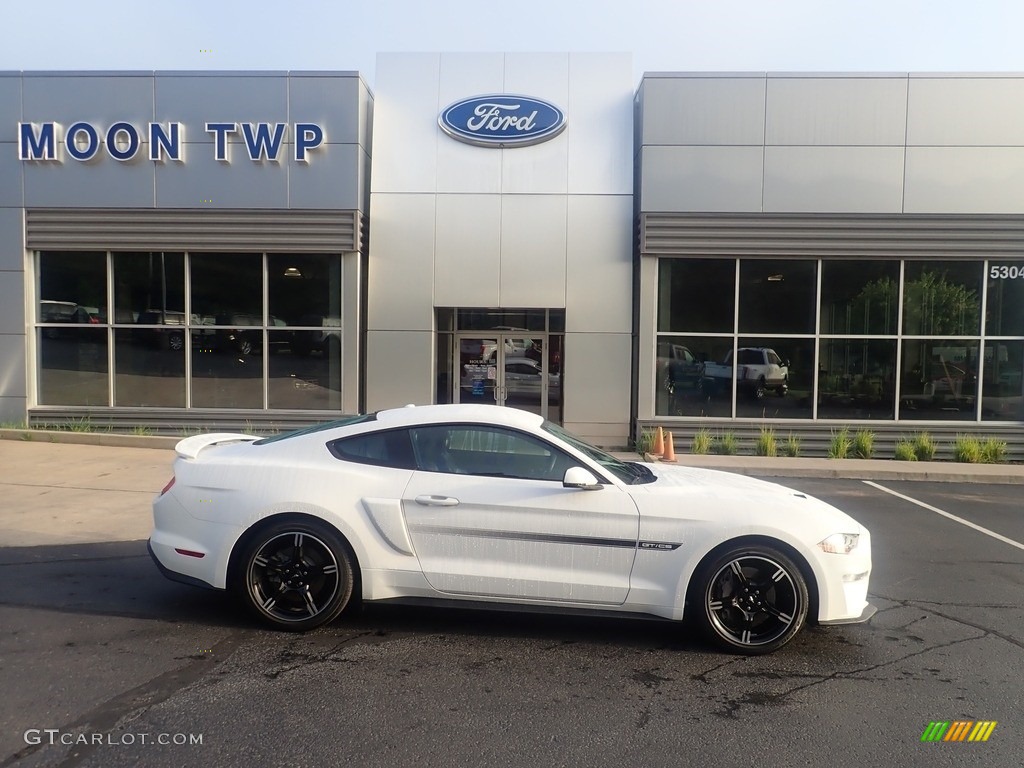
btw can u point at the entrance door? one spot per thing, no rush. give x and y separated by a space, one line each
518 370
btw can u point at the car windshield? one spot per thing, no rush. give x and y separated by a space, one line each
627 471
319 428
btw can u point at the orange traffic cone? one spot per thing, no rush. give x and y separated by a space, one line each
670 449
659 443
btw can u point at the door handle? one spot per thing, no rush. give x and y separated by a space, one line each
437 501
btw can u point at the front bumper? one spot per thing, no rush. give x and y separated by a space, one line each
865 615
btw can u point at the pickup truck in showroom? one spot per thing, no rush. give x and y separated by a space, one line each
759 370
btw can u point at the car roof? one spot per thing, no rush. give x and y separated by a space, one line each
490 414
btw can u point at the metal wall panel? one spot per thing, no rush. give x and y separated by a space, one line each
596 392
401 268
646 365
12 303
12 367
98 99
327 100
466 259
405 140
12 175
208 184
102 181
352 331
833 179
600 128
701 178
540 168
599 264
693 110
13 409
964 180
965 111
400 365
12 242
836 111
148 229
464 168
196 99
331 179
533 241
10 107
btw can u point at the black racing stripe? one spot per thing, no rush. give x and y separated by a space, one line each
548 538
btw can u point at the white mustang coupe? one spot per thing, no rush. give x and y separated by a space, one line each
483 505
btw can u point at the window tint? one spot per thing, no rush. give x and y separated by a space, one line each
487 451
384 449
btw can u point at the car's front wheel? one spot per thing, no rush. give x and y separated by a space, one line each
295 575
752 599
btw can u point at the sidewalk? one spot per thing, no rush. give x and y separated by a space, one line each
54 493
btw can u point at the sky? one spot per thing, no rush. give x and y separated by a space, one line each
661 35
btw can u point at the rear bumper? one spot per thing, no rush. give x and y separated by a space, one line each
181 578
865 615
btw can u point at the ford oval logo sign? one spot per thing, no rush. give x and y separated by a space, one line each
502 120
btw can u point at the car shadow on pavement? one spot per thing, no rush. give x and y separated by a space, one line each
112 579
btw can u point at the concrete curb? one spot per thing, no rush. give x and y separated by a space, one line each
109 439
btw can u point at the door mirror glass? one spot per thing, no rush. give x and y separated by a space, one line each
578 477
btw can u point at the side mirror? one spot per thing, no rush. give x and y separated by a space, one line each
578 477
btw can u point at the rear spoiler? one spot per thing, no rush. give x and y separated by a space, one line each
190 447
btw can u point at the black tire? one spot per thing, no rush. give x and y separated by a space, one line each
295 575
783 388
244 347
759 389
750 599
175 342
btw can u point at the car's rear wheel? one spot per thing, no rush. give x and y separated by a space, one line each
295 575
752 599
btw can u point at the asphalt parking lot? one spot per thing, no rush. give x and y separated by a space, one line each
101 658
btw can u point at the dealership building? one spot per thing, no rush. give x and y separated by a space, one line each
732 251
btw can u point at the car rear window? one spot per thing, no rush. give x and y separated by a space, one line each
383 449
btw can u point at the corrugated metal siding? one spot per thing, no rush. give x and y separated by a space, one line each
305 231
933 237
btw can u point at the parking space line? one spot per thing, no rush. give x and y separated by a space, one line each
960 520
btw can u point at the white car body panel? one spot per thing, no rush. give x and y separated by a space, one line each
506 537
630 548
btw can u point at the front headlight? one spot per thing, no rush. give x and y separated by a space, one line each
839 543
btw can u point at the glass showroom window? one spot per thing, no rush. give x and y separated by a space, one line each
1002 397
304 331
848 351
71 335
207 330
695 296
701 328
857 369
150 329
941 328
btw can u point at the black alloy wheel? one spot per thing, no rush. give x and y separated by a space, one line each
753 600
296 575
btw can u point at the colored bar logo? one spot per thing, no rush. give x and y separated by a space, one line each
959 730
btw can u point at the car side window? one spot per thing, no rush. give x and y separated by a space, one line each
488 452
389 448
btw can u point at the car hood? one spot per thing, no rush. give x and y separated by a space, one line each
721 490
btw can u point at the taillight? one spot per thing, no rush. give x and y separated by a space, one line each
168 486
